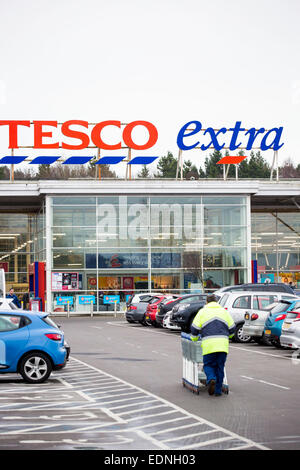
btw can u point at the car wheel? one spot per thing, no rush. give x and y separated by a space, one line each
239 335
276 343
35 368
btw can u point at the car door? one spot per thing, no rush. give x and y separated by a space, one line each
14 335
239 306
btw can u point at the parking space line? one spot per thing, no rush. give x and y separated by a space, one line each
176 428
264 382
143 409
151 416
205 443
138 413
187 436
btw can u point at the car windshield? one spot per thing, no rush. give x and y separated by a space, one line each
279 307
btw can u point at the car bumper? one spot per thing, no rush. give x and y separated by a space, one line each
253 330
290 341
167 323
134 316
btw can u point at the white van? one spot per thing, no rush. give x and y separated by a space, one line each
239 302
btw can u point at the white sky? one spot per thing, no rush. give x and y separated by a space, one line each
165 61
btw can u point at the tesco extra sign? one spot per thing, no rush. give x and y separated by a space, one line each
191 135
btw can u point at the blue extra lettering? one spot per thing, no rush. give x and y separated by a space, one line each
182 133
275 144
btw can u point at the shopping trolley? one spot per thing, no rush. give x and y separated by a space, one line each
193 375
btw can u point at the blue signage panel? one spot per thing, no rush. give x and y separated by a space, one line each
64 300
110 299
132 260
86 299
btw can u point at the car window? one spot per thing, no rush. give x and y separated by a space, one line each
242 302
260 302
9 322
280 307
153 300
223 300
49 321
185 300
288 297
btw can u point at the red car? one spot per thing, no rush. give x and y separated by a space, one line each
150 317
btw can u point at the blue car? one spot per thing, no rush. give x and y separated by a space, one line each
275 321
31 344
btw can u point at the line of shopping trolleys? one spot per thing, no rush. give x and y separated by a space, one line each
193 376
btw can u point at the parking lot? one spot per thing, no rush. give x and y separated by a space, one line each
122 390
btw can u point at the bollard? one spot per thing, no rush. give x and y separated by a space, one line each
115 302
92 309
68 308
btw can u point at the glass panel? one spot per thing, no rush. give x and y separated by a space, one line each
74 237
74 216
224 200
73 200
225 215
224 257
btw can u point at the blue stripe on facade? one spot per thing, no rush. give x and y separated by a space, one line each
11 160
142 160
44 160
77 160
15 160
109 160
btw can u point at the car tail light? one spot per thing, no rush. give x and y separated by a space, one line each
132 307
254 316
54 336
297 317
280 317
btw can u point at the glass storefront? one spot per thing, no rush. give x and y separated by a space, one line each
22 241
275 246
104 248
119 245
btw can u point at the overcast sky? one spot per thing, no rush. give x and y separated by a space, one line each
165 61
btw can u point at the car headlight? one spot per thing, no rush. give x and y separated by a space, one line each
183 307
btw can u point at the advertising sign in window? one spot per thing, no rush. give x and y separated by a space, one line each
65 281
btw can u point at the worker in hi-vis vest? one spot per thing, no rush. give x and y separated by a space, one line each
214 326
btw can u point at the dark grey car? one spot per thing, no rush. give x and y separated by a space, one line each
135 312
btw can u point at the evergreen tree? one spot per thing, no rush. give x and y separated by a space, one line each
144 173
212 169
167 166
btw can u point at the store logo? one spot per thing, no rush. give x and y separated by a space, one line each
187 139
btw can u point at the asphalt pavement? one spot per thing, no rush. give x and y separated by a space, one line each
122 389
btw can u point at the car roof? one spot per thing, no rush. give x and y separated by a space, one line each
20 312
260 292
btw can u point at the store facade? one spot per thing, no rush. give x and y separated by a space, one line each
102 241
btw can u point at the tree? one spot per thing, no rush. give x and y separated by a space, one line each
190 170
288 170
144 173
212 169
167 166
257 167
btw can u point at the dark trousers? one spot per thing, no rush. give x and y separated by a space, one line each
213 366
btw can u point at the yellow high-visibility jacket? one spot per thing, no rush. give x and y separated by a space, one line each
215 326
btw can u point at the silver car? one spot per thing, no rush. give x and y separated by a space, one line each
290 333
238 303
255 320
